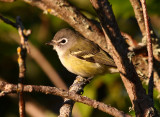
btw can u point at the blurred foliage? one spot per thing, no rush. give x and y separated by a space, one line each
107 88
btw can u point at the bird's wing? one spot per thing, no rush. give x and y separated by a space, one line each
92 53
104 58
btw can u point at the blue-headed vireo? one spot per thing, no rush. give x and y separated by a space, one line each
80 55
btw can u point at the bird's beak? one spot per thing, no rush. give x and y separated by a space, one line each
52 43
49 43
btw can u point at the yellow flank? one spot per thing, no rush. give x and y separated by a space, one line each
82 67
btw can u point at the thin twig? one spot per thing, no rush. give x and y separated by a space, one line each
22 52
150 51
77 88
7 21
4 86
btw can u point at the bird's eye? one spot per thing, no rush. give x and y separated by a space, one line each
63 41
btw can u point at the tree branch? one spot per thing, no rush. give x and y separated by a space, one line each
77 88
119 50
4 86
22 52
149 48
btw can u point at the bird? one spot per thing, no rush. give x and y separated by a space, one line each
79 55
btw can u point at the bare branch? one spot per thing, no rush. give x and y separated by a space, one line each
149 48
77 88
4 86
119 51
22 52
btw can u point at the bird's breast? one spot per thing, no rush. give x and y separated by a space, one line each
82 67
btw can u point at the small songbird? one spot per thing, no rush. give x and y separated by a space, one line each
80 55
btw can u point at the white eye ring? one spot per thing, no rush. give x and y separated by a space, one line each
63 41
